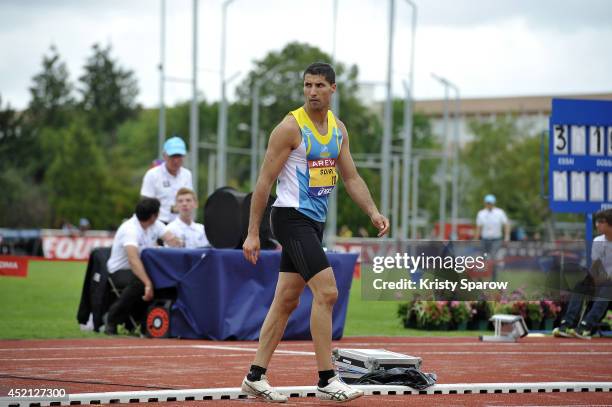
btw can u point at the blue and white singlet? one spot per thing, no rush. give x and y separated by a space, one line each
309 175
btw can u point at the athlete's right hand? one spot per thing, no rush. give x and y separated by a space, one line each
250 248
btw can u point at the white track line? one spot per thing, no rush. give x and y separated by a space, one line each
280 351
522 345
476 342
552 353
289 353
309 391
107 348
125 357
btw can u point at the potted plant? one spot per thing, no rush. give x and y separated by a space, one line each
461 313
482 311
405 311
550 311
530 310
432 315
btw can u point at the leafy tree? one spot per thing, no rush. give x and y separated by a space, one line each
51 93
22 203
504 160
11 136
77 178
108 94
51 106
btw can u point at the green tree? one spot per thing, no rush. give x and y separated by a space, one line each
108 95
504 159
78 178
24 161
12 145
51 106
51 93
22 202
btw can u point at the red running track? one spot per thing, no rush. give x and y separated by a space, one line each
131 364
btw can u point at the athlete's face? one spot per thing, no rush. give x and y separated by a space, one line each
317 91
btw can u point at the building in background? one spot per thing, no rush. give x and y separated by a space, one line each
531 112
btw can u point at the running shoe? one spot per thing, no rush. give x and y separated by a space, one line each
261 389
563 331
337 390
582 331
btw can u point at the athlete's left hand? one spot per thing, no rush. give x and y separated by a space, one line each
251 248
381 223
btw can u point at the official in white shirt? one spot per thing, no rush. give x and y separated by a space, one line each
163 181
491 226
492 221
189 233
125 268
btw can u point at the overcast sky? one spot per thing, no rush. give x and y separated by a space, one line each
486 47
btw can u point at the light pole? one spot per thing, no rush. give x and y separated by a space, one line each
407 144
331 229
416 160
455 176
388 124
442 220
222 124
254 131
194 116
161 134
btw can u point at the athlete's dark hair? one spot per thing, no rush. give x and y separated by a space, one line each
604 216
323 69
147 207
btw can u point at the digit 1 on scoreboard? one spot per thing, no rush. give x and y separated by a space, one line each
609 137
596 140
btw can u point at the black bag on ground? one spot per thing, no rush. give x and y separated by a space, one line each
399 376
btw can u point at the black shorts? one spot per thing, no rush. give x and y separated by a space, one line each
301 238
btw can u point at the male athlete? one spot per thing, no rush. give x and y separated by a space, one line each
303 153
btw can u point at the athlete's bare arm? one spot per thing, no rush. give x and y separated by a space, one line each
356 187
284 138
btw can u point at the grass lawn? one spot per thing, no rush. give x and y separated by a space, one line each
44 305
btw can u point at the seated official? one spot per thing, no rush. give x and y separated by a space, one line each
184 229
600 282
125 268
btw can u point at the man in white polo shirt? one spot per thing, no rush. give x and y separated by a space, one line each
190 234
491 226
163 181
125 267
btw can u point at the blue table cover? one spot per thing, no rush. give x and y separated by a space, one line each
221 296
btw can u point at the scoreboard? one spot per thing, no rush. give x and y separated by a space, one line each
580 155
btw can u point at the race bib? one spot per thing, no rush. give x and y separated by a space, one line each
323 176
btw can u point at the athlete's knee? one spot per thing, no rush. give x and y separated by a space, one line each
326 296
287 302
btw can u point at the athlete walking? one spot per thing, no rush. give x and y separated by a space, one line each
303 153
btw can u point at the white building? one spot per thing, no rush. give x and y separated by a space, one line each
532 112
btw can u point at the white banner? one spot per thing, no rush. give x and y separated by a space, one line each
58 246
